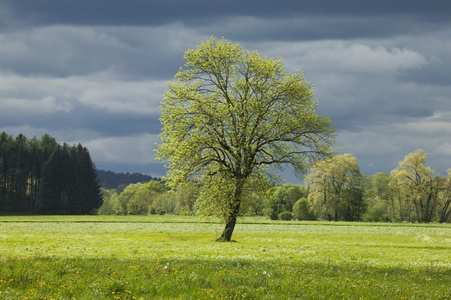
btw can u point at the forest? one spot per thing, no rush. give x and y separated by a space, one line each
334 190
40 176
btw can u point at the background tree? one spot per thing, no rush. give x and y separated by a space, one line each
6 153
416 185
69 182
444 199
254 205
230 114
381 207
21 167
87 188
283 198
353 206
302 210
336 187
145 197
107 207
120 203
52 184
185 197
41 176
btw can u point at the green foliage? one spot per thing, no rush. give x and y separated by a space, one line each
415 188
353 206
136 198
336 188
377 213
107 207
302 210
139 199
255 205
146 195
185 198
283 198
228 116
367 198
378 196
285 216
164 203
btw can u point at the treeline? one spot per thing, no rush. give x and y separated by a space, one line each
113 180
149 198
40 176
334 190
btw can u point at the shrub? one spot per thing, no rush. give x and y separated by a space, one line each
285 216
302 210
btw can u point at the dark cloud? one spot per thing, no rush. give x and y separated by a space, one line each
95 70
87 118
308 27
348 18
146 12
436 74
102 122
63 51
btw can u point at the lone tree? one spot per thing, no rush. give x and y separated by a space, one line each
231 114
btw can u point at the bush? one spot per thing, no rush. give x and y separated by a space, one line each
285 216
302 211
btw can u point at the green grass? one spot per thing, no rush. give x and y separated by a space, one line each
168 257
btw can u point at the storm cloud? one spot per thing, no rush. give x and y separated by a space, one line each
95 71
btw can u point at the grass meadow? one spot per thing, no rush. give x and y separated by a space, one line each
169 257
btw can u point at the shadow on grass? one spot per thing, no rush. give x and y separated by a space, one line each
106 278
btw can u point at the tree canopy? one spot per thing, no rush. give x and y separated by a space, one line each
414 183
228 116
336 188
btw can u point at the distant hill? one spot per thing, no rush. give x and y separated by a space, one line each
111 180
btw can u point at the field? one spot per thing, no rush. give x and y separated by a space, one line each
166 257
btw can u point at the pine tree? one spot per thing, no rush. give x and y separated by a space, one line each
91 197
51 183
42 176
6 143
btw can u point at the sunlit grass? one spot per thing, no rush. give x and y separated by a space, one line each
165 257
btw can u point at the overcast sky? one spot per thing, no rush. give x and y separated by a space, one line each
94 71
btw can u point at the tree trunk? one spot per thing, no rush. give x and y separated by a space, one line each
226 235
444 214
234 210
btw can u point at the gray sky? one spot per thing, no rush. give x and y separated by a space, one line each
94 71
